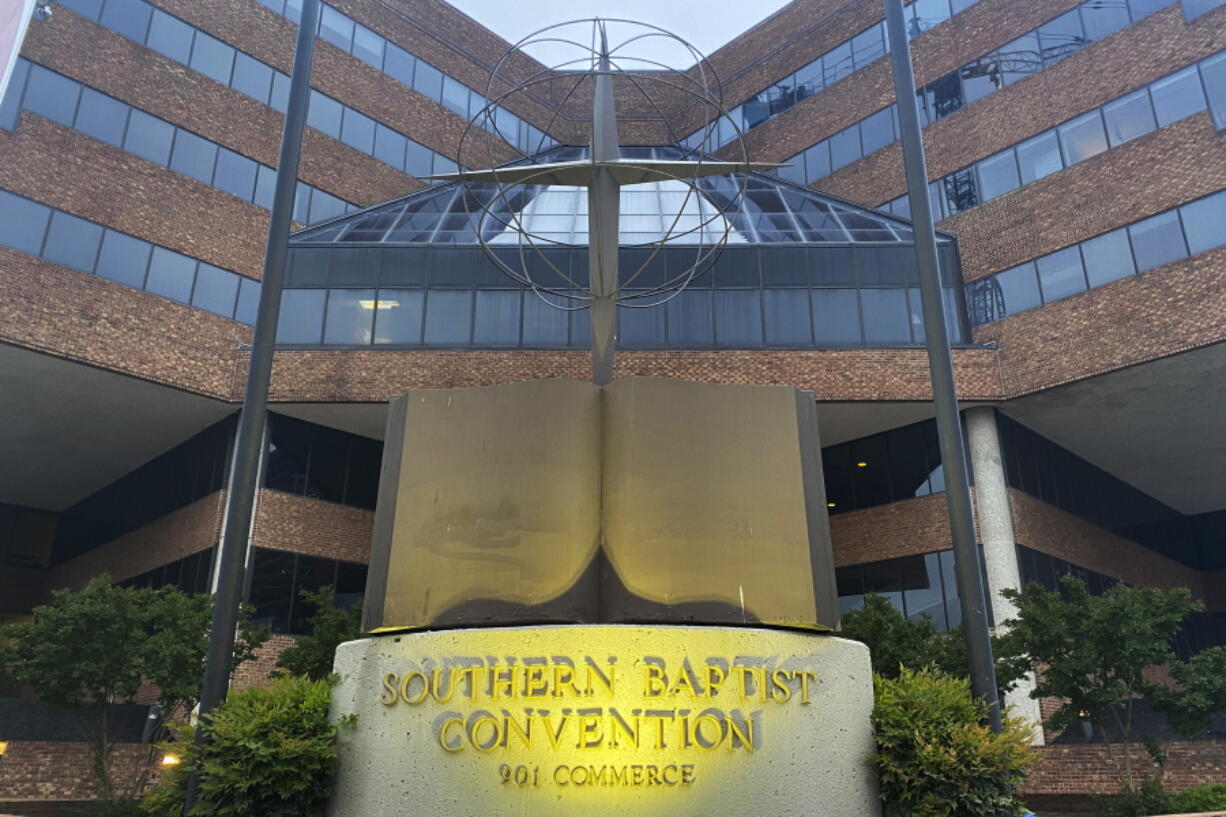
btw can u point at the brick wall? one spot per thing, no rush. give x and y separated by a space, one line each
256 671
312 526
1087 769
46 770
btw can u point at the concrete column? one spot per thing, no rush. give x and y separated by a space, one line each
995 516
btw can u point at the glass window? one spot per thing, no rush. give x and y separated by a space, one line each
336 28
72 241
877 131
836 316
170 36
248 301
1082 138
868 45
216 290
1019 288
1157 240
251 77
123 259
845 147
302 316
738 318
1020 58
641 328
102 117
428 80
279 99
193 156
448 317
455 96
51 95
542 324
86 8
837 63
128 17
922 594
368 46
961 191
787 317
817 160
10 105
1214 72
171 275
1061 37
1107 258
358 131
324 114
350 316
389 146
1144 8
324 206
981 78
998 175
1129 117
398 64
944 96
212 57
886 317
496 321
1103 19
1039 157
1177 96
927 14
1061 275
149 137
22 223
689 319
235 174
265 184
1195 8
1203 222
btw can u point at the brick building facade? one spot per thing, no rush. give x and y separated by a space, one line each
1102 383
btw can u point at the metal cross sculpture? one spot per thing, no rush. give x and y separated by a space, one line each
603 174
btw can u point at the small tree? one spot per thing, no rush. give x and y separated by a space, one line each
1095 653
93 647
313 655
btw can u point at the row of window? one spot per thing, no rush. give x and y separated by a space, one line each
276 581
839 62
139 21
1047 571
191 574
190 471
1028 54
698 318
1118 122
1152 242
321 462
898 464
918 586
77 106
413 72
65 239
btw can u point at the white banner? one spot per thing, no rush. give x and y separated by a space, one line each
14 20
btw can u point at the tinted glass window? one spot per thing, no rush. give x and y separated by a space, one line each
398 318
235 174
324 206
845 147
1129 117
358 131
193 156
944 96
738 318
149 137
389 146
998 175
886 317
129 17
22 223
102 117
72 241
324 114
1157 241
123 259
350 316
868 45
836 316
419 160
1214 72
929 13
52 95
496 321
171 36
251 77
980 78
1102 19
837 63
248 301
368 46
961 191
787 317
1060 274
336 28
1020 58
1019 288
279 98
641 328
428 80
1082 138
1144 8
1061 37
1203 222
455 96
302 316
1039 157
1107 258
877 131
86 8
448 316
216 290
398 64
212 57
171 275
689 319
1177 96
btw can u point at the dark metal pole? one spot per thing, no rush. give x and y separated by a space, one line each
940 363
244 471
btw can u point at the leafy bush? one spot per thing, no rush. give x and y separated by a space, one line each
312 655
1145 799
272 753
935 755
1210 797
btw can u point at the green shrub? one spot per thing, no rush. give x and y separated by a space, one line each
272 754
1141 801
1210 797
935 755
312 655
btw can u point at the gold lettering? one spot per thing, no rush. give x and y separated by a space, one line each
555 737
715 679
655 683
593 672
665 772
739 733
536 685
805 675
618 724
564 676
450 746
781 691
502 685
703 741
683 683
405 683
437 684
746 673
619 776
389 694
636 775
659 717
590 734
474 733
559 775
687 774
524 732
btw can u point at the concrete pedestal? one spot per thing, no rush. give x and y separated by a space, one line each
604 719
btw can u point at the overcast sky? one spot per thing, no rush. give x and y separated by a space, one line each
706 24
